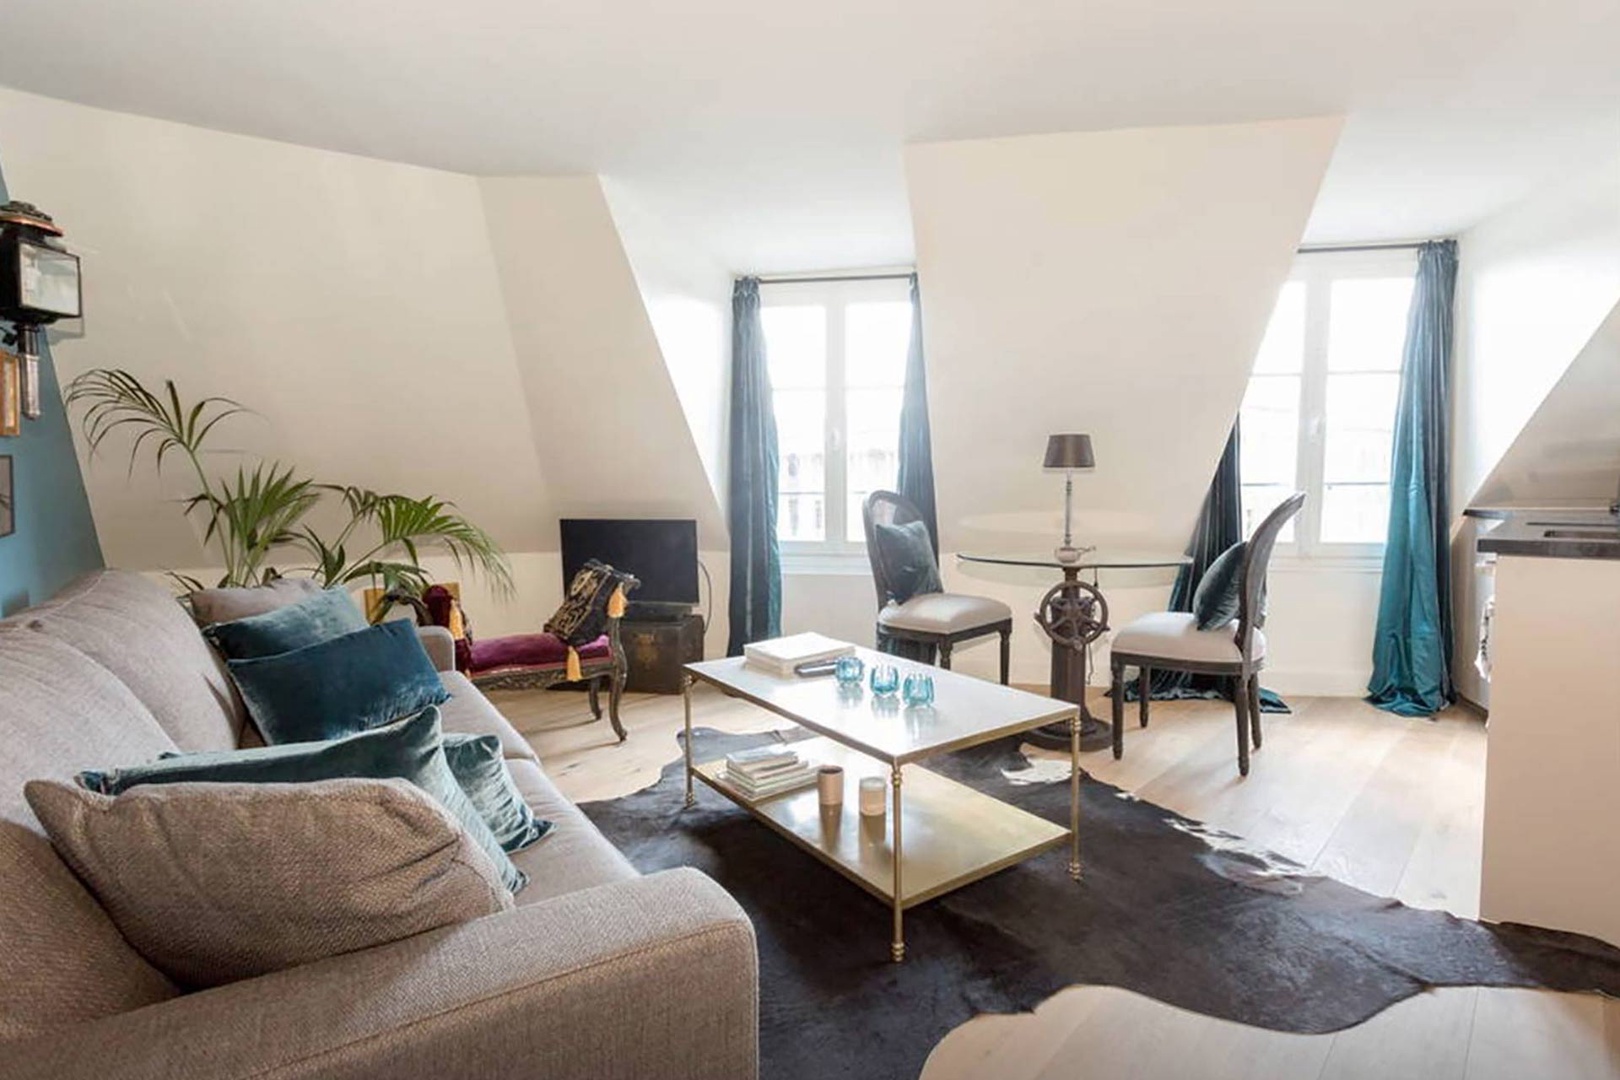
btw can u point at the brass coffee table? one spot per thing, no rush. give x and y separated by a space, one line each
953 835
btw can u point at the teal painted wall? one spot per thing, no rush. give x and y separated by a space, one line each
55 539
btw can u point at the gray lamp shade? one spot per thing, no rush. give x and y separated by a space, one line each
1069 452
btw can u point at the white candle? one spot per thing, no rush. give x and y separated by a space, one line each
874 799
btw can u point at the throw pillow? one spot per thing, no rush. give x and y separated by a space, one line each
209 606
1216 601
323 616
584 611
411 749
908 555
218 882
482 773
338 687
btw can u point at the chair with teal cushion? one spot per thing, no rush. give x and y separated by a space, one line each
1236 649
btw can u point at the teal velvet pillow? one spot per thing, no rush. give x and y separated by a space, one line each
1216 601
482 773
338 687
328 614
908 554
411 749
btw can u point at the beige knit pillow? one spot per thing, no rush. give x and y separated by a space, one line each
218 882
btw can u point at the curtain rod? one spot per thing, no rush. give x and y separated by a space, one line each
1326 249
818 279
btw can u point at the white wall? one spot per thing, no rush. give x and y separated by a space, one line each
1534 285
1116 283
352 304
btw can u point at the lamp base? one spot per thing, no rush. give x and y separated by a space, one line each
1067 554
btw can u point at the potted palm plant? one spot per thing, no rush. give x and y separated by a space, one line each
259 518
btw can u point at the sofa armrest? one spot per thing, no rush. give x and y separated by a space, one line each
653 977
440 646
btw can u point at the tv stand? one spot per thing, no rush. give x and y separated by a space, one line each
655 648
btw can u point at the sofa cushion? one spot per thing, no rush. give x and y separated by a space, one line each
136 629
574 855
62 961
482 773
226 604
219 882
328 614
410 749
469 711
334 688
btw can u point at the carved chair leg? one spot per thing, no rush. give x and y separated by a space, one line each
1254 709
1118 695
1240 704
616 691
1144 685
1006 654
591 689
945 654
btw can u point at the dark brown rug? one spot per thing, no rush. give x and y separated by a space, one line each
1167 908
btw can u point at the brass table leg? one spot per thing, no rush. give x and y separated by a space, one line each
897 948
1074 797
686 702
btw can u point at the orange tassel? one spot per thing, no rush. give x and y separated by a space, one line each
616 604
574 672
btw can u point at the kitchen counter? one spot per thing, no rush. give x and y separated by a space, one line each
1550 533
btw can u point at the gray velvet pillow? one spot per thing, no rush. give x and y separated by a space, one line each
909 555
209 606
1216 601
212 883
480 769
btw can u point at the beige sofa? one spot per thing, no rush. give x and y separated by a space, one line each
599 972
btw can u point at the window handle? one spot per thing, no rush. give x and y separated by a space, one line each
837 440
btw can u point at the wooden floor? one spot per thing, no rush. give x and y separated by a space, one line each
1389 805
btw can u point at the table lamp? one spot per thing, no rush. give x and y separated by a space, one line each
1068 452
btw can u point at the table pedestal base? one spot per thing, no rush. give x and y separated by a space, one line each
1069 684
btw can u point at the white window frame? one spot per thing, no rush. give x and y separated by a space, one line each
835 553
1318 271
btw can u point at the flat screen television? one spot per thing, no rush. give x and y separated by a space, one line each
661 553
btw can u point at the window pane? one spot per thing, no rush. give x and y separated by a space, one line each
1355 513
1283 350
795 345
1260 500
801 448
1360 427
1270 423
877 336
1367 323
873 457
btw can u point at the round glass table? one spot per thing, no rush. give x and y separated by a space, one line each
1074 613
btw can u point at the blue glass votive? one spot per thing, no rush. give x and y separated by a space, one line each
885 679
849 669
919 689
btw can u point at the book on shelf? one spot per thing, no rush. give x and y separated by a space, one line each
767 771
760 757
793 780
779 656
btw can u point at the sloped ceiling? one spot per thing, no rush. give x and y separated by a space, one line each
1115 283
1569 451
608 421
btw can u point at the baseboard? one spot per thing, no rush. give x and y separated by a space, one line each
1308 683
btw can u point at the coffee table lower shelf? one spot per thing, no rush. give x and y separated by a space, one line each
953 835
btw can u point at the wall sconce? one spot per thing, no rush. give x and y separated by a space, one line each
39 284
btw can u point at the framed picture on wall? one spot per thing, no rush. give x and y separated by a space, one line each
8 508
10 395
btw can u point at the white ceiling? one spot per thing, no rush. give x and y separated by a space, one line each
772 131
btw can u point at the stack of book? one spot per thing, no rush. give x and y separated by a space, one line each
768 770
781 656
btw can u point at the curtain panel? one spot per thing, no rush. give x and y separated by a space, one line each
916 476
1412 643
756 556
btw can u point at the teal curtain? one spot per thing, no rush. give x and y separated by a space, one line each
916 477
756 557
1220 525
1412 645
